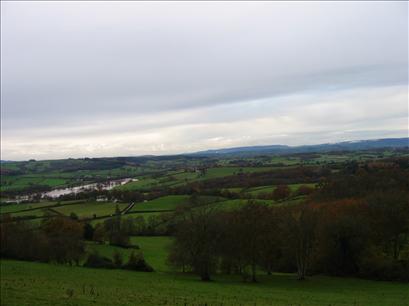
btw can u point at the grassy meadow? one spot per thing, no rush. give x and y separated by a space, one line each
30 283
88 210
163 203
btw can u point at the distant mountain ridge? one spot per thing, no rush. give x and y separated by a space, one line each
262 149
326 147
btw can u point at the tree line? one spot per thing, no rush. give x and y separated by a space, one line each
63 240
355 224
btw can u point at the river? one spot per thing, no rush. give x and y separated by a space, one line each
89 187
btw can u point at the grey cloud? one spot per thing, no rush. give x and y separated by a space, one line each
67 66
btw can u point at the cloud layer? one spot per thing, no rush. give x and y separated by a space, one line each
129 78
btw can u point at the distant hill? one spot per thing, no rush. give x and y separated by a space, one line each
71 164
327 147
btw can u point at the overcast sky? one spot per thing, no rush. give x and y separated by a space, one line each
130 78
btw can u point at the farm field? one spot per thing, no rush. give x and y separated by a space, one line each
268 189
146 215
36 175
20 176
142 183
153 248
23 181
89 209
30 283
36 213
163 203
172 179
237 203
169 203
13 208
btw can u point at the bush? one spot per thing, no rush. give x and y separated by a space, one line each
120 239
304 190
94 260
136 262
99 233
281 192
73 216
118 260
379 268
88 231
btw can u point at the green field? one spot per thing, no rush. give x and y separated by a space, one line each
145 215
152 173
268 189
49 173
154 250
29 283
225 171
36 213
237 203
14 208
142 183
20 182
88 210
163 203
173 179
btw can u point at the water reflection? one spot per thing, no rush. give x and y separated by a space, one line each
89 187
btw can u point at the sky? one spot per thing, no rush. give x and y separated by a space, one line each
93 79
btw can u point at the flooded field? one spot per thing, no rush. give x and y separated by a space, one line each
88 187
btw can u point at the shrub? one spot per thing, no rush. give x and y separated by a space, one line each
379 268
88 231
304 190
120 239
281 192
73 216
95 260
118 260
136 262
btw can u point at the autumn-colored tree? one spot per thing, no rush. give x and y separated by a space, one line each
137 262
116 234
298 227
271 247
304 190
65 239
196 237
343 236
389 212
281 192
117 259
250 227
99 234
88 231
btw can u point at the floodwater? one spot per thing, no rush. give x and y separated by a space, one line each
89 187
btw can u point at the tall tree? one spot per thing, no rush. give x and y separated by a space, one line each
196 240
299 229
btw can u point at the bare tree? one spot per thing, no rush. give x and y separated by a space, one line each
196 240
299 230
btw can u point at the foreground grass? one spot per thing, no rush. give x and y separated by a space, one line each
27 283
